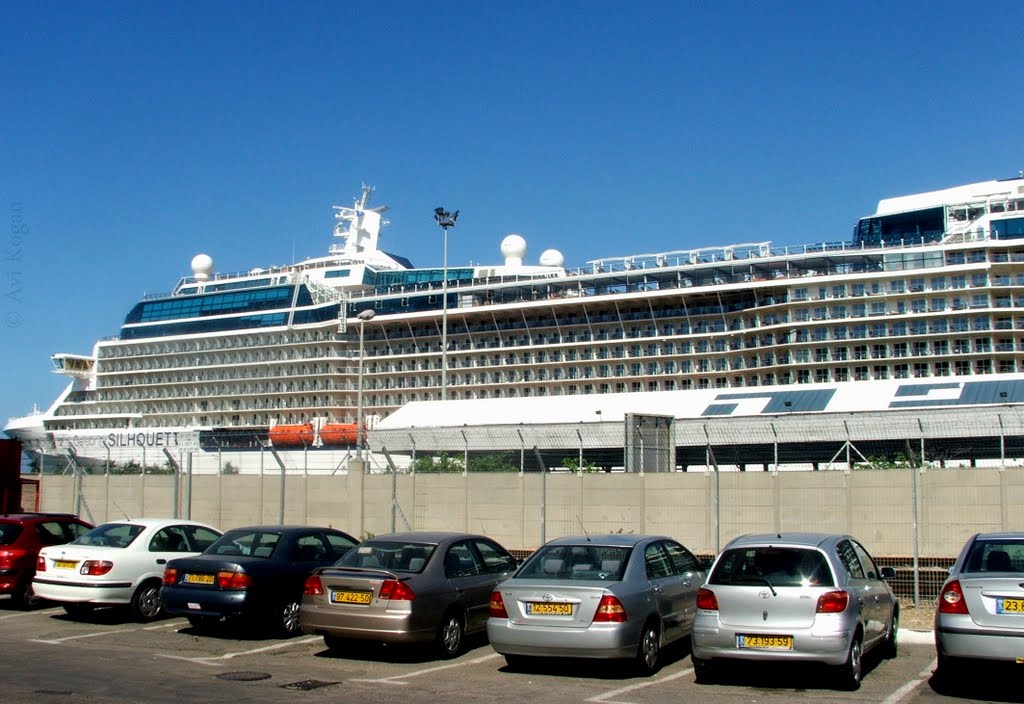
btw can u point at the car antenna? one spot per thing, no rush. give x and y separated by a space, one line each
126 516
583 527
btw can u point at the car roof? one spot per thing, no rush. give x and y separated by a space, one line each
1002 535
154 522
276 528
614 539
427 536
795 539
42 515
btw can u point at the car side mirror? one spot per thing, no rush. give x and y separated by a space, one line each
888 573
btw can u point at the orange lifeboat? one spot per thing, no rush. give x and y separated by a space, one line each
338 434
285 435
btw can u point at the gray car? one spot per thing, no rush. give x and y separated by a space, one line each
806 597
608 596
981 606
418 587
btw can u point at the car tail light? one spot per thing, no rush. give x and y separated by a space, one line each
706 599
610 610
9 556
395 591
234 580
40 564
951 600
833 602
497 609
313 586
170 576
96 568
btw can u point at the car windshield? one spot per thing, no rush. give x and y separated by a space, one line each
113 535
557 563
9 532
775 566
390 555
996 556
247 543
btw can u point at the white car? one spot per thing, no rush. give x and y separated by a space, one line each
121 562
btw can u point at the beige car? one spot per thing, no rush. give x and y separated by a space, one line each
418 587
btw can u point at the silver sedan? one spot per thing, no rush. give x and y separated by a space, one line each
807 597
981 606
609 596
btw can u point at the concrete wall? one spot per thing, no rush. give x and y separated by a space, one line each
702 510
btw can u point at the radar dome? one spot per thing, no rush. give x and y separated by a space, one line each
513 248
202 267
552 257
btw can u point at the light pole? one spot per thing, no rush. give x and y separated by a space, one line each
445 220
363 316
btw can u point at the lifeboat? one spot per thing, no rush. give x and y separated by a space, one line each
287 435
338 434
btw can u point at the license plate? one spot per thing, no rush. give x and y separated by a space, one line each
189 578
548 609
1010 606
65 564
351 597
765 642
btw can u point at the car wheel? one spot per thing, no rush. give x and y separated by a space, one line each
518 662
287 619
25 597
850 672
337 645
77 609
649 649
703 670
202 622
450 635
947 668
145 605
889 648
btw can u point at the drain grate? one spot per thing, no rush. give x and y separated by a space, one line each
306 685
243 676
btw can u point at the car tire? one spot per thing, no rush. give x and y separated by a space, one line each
145 605
286 619
648 651
851 671
703 670
450 635
890 647
338 645
76 609
518 662
947 669
25 597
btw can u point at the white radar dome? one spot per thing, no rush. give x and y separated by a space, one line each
202 267
552 257
513 248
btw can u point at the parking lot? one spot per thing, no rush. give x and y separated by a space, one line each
51 658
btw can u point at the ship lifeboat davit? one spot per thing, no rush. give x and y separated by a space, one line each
290 435
339 434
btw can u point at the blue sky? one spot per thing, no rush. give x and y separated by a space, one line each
135 135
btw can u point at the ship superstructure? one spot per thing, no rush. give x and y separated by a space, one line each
930 286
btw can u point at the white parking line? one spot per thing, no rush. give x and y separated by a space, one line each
397 679
215 659
58 641
604 698
40 612
909 687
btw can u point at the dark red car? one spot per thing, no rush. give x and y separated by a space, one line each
21 537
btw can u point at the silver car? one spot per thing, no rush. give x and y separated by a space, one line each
981 605
609 596
807 597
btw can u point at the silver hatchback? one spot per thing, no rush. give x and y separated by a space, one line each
807 597
981 606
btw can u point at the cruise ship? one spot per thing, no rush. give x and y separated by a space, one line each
292 360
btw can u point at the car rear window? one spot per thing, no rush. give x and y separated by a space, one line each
9 532
557 563
777 566
390 555
995 556
249 543
114 535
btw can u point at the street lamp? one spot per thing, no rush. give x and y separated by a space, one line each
364 316
445 220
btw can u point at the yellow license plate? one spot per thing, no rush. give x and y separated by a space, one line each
65 564
351 597
765 642
189 578
546 609
1010 606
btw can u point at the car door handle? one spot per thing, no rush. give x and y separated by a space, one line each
161 561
